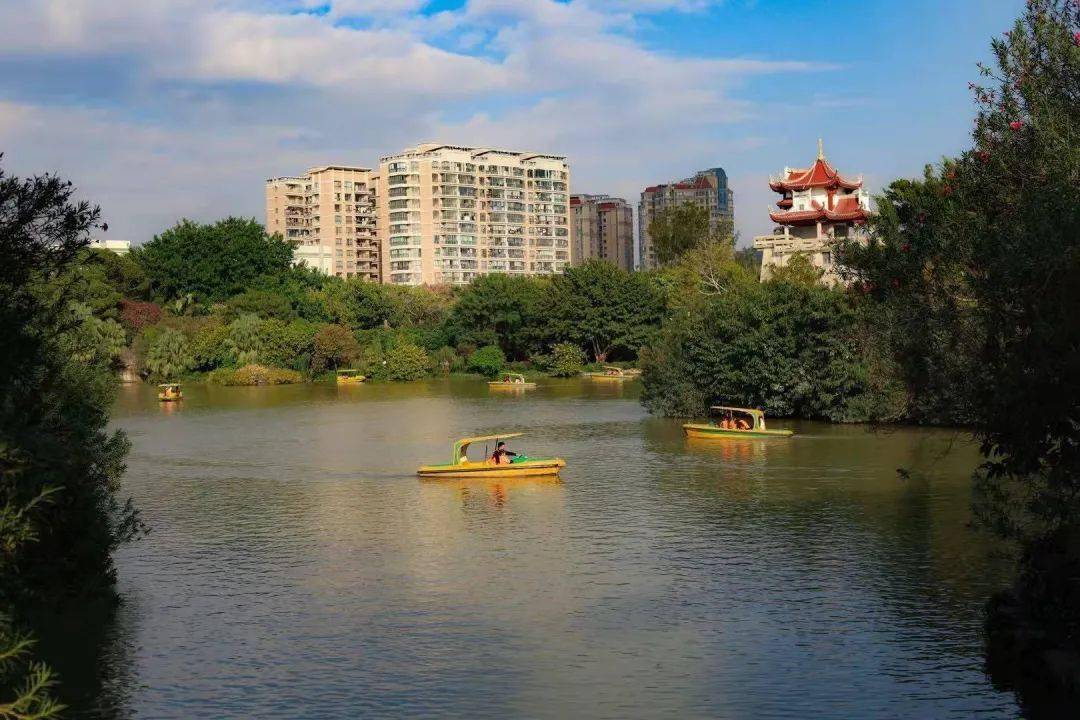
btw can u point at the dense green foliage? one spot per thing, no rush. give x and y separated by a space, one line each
169 355
974 269
211 262
60 517
498 310
566 360
488 360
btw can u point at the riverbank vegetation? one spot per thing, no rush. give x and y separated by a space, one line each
60 513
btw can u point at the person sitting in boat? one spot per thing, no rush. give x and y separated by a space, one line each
742 424
502 455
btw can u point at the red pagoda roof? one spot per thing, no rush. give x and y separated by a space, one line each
847 209
821 174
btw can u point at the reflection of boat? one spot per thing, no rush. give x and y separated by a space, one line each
170 392
754 420
349 377
462 467
612 373
512 381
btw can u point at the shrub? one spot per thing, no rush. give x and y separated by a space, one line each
245 340
566 360
135 315
261 375
289 344
333 346
208 350
488 360
403 362
264 303
446 360
169 355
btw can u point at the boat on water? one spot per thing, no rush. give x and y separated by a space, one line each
349 376
512 381
753 421
460 466
170 392
611 373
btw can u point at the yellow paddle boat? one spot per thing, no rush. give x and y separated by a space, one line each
745 422
349 377
611 374
170 392
460 466
512 381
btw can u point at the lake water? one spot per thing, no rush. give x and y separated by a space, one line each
298 568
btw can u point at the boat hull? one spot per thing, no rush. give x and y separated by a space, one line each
350 381
172 398
609 378
694 430
531 468
511 386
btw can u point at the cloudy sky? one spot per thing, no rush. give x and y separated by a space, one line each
162 109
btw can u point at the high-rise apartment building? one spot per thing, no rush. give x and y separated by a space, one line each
708 188
330 212
448 213
602 227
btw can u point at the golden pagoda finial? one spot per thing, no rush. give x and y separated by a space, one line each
820 150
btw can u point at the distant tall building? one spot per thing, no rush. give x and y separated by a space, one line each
708 188
330 212
602 227
448 214
120 247
817 207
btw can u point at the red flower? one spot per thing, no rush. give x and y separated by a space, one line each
1016 124
1076 38
895 283
922 218
905 247
983 155
947 190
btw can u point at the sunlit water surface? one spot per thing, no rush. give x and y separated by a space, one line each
297 567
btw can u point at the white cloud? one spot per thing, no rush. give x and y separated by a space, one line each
224 94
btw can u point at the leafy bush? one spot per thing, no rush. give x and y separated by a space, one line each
169 355
289 344
208 347
261 375
263 303
566 360
403 362
333 346
488 360
135 315
245 340
446 360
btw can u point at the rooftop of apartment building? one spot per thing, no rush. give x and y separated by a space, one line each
432 148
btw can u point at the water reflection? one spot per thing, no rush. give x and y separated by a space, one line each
296 561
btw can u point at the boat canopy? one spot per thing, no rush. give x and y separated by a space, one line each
462 445
612 370
514 375
758 415
348 371
169 385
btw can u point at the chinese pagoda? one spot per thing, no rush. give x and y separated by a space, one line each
817 206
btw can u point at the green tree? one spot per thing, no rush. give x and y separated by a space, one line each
992 239
169 355
333 346
681 228
404 361
488 360
799 270
211 262
566 360
289 345
498 310
60 516
602 308
245 341
262 303
92 340
209 348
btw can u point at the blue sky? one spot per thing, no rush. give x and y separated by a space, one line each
162 109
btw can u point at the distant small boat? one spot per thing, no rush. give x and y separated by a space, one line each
612 374
512 381
753 419
170 392
462 467
349 377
